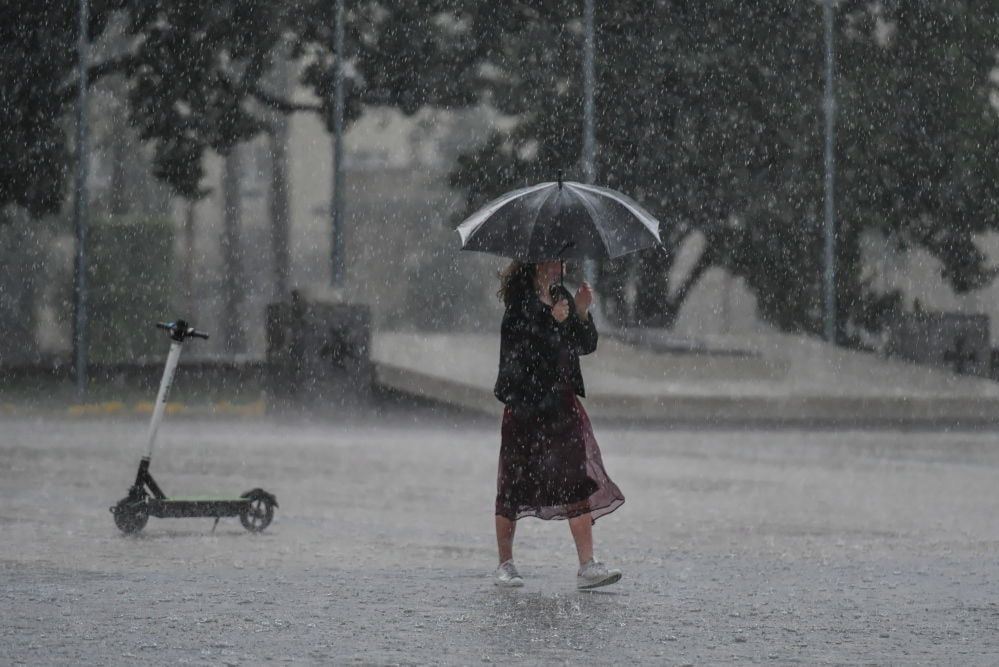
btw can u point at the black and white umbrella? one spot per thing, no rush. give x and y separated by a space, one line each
560 220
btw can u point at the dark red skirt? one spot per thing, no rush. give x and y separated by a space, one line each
550 467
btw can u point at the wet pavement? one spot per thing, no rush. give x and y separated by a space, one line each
777 547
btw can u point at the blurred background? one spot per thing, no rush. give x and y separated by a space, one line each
751 130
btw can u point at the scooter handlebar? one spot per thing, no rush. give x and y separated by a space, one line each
180 330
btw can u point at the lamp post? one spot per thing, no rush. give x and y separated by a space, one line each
80 197
589 138
829 281
336 205
589 81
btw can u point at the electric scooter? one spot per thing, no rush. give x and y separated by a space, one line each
255 508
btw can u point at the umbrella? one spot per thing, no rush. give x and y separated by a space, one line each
560 220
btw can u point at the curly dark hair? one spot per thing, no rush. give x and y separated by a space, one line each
516 282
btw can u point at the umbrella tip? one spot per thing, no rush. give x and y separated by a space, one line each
559 179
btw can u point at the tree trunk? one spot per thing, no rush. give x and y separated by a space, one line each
279 191
20 246
652 303
847 284
615 276
120 203
657 301
233 339
679 296
187 265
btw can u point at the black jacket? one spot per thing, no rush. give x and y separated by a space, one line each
530 343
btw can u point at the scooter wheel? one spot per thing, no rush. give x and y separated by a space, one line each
258 515
129 516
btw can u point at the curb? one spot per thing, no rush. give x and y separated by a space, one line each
141 409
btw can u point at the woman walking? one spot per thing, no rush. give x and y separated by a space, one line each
549 463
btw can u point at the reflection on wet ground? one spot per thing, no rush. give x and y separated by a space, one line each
786 546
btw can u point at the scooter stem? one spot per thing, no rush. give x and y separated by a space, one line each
161 398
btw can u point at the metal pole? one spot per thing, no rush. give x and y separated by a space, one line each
830 223
589 81
80 209
173 357
337 254
589 140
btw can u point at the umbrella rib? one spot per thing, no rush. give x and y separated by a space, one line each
534 223
596 226
471 224
643 216
507 207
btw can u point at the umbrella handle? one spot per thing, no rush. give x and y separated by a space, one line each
568 245
556 291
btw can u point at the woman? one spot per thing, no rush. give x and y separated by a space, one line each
549 464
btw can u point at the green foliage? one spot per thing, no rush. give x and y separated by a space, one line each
919 133
195 74
710 114
33 65
129 286
22 272
190 68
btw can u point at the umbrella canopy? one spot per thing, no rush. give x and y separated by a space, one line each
561 220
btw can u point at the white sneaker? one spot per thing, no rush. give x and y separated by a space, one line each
595 574
507 575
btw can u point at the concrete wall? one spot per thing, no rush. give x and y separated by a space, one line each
917 274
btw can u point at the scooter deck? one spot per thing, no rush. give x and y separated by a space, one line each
188 499
196 507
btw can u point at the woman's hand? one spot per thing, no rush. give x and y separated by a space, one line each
584 298
560 311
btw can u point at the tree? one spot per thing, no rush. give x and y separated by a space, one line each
190 69
710 114
696 117
196 76
920 131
